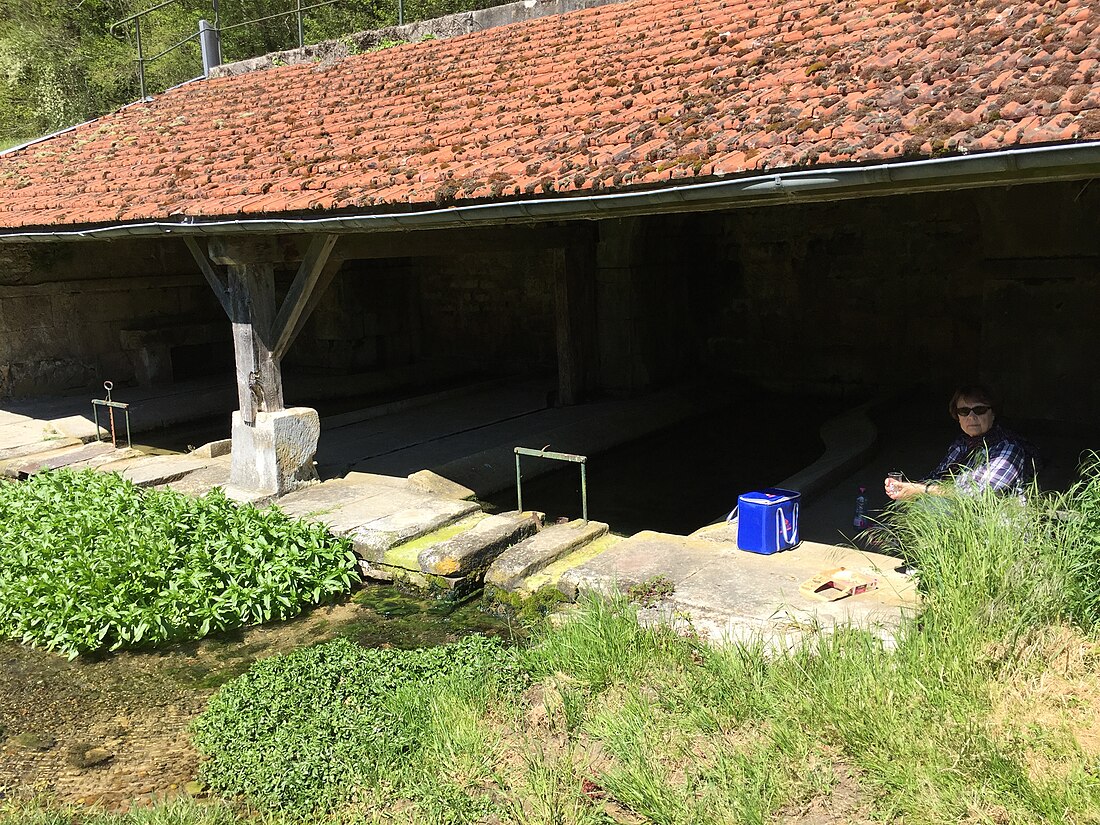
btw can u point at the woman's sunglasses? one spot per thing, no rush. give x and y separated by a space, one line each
963 412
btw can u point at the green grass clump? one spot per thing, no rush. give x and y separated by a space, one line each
91 562
181 811
338 722
1079 512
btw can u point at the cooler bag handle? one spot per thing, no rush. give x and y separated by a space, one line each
782 534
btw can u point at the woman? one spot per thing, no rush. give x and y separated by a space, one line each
985 456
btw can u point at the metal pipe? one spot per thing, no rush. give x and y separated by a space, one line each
519 486
401 12
1007 166
301 31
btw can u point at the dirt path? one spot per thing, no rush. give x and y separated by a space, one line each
113 729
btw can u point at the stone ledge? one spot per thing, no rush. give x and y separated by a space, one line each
475 549
542 549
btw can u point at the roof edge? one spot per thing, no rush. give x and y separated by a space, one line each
1041 164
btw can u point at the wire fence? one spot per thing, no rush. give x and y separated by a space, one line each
298 11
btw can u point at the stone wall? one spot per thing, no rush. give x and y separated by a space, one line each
74 315
1001 285
495 310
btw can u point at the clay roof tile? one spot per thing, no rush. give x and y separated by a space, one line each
637 93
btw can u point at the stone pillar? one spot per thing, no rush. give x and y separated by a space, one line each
273 447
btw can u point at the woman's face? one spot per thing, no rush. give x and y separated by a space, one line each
978 418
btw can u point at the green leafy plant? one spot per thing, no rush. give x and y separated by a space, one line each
88 562
329 723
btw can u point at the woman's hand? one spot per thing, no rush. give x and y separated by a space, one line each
897 490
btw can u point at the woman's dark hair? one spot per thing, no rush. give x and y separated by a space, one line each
973 392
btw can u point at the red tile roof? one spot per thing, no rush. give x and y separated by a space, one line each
639 93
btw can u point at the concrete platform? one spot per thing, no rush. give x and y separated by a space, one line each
728 594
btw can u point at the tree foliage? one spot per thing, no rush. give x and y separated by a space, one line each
62 63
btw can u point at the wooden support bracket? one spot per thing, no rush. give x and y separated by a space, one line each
298 298
221 291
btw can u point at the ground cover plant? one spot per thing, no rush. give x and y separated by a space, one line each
336 722
89 562
984 708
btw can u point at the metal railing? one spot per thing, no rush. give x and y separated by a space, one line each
216 30
544 453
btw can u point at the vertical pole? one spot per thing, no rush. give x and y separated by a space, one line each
301 31
519 487
401 12
218 30
584 494
141 57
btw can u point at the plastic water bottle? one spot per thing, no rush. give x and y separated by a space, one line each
859 520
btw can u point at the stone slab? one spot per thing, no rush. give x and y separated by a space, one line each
348 506
162 470
37 447
378 480
326 496
475 549
434 484
202 481
8 417
741 594
57 459
98 460
22 433
83 427
214 449
371 541
540 550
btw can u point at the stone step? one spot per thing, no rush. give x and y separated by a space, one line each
541 550
470 552
373 539
558 574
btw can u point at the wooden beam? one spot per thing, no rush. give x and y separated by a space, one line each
324 279
301 290
216 283
464 241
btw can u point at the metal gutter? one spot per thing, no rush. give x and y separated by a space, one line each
1041 164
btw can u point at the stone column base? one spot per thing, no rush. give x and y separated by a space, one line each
275 454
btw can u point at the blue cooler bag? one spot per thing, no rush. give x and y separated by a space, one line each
767 520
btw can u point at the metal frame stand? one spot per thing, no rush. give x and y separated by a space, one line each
574 459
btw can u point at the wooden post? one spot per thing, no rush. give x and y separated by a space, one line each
262 332
252 301
575 311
